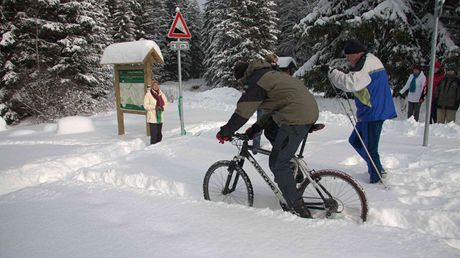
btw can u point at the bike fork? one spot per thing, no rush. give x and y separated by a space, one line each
229 186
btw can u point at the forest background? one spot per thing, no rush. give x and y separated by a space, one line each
50 50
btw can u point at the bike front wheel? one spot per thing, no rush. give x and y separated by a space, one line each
227 182
336 195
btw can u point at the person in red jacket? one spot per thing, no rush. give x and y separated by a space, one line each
438 76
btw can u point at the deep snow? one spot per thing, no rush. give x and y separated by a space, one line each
91 193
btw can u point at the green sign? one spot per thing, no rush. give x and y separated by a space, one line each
132 89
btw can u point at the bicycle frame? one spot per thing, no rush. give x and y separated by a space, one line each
239 160
303 167
244 153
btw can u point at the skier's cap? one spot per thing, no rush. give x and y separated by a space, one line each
451 67
353 46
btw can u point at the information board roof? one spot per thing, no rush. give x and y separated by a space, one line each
133 52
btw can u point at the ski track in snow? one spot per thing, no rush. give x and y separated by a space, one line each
423 181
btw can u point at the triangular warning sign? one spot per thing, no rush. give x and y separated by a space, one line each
179 28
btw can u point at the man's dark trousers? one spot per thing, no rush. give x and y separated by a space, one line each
370 134
285 145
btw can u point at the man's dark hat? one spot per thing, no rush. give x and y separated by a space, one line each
353 46
240 69
451 66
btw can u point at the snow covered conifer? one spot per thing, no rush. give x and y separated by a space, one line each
290 13
55 49
124 20
155 24
193 59
391 30
213 15
249 31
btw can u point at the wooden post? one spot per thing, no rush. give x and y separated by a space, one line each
147 81
120 118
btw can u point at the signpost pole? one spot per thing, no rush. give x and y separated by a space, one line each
181 110
179 30
437 13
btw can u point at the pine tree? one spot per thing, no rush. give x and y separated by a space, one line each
448 43
55 49
214 14
125 26
28 47
248 32
451 19
7 41
193 58
155 24
290 13
392 31
82 48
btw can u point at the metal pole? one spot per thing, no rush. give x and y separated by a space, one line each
437 13
181 110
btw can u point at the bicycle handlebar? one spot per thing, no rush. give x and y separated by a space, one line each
241 136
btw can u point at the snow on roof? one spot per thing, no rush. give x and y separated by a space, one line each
131 52
284 61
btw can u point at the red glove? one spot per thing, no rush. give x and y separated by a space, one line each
224 135
222 139
253 130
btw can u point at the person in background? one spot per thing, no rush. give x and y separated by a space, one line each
414 84
272 59
368 80
291 106
438 75
155 103
447 96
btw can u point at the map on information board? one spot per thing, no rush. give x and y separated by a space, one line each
132 89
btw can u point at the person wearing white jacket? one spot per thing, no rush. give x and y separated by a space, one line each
415 85
155 103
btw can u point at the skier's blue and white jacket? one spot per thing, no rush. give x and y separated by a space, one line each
368 81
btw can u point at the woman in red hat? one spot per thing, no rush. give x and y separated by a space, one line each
438 76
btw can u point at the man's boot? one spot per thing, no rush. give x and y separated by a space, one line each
301 210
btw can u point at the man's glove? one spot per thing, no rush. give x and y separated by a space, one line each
253 130
224 135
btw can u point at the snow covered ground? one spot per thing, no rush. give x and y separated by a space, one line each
77 189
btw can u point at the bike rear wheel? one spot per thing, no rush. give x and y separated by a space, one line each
227 182
339 196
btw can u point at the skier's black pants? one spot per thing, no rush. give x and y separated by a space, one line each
286 143
155 132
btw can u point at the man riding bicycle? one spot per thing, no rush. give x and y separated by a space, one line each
291 106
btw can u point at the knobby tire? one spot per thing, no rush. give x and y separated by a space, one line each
216 178
346 193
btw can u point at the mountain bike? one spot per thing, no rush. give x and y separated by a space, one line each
327 193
